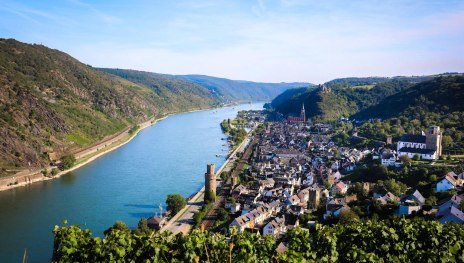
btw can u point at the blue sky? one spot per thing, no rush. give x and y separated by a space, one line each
286 40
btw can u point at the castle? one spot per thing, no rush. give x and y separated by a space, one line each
210 183
324 88
301 118
427 145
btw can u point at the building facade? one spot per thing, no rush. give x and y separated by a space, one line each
427 145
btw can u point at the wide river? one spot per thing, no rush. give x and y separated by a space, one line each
126 184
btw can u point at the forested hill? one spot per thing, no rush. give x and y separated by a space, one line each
342 100
170 88
242 90
50 102
442 95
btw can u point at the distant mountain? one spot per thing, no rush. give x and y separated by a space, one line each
242 90
51 102
341 100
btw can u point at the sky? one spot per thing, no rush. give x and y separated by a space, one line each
269 41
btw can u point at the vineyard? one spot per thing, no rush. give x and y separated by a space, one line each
395 240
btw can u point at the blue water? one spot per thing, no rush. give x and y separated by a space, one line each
125 184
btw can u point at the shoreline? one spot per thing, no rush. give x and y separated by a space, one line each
37 176
197 196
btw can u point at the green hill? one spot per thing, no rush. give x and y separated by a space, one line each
342 100
175 93
441 95
436 102
242 90
51 102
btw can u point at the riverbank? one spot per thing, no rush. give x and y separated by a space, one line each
83 156
180 222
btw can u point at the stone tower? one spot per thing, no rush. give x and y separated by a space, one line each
314 198
303 113
433 139
389 140
210 183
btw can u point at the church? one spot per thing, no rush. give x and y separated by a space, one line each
302 117
426 145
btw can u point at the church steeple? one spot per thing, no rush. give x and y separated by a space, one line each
303 113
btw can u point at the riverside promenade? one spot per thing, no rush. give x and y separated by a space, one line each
182 221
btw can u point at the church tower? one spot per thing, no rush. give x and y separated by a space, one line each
433 139
210 183
303 113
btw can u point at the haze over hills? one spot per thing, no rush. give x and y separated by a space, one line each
221 89
242 90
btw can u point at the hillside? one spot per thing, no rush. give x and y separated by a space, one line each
242 90
341 101
440 95
436 102
174 93
50 102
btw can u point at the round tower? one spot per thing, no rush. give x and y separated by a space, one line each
210 183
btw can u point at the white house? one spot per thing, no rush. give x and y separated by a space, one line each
275 227
388 158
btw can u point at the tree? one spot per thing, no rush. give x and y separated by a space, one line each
142 227
432 200
447 141
55 171
223 215
348 217
119 225
67 161
405 159
416 157
175 202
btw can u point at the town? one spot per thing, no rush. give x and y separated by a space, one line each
296 176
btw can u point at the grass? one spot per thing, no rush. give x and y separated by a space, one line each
368 87
78 139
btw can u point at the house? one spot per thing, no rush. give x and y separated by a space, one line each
411 203
444 206
407 207
339 188
276 227
388 158
415 196
293 200
379 192
156 222
243 222
388 198
448 182
281 248
453 215
427 145
233 207
334 210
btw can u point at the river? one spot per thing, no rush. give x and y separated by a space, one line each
126 184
